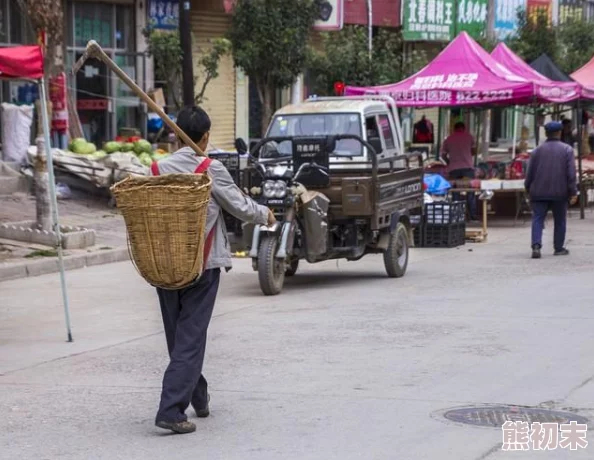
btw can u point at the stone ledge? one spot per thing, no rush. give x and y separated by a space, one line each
72 237
11 271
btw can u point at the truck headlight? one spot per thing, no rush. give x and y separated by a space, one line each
274 189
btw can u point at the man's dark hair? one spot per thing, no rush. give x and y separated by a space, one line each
194 121
459 126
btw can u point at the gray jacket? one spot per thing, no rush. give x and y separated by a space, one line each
224 195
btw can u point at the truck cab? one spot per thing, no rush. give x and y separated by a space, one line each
373 118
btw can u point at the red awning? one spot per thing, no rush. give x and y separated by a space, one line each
21 62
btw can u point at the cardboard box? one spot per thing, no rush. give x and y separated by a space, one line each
158 96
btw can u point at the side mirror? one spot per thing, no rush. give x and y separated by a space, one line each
240 146
376 143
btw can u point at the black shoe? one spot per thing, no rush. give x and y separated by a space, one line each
177 427
562 252
204 411
536 252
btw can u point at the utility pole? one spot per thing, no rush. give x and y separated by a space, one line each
185 38
370 28
486 118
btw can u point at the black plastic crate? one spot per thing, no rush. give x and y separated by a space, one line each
445 236
445 212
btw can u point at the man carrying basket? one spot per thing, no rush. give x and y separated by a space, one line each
186 312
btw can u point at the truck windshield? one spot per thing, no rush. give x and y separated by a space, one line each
315 124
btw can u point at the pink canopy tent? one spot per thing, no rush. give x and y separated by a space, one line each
462 75
585 77
547 90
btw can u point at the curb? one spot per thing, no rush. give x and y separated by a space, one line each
32 268
44 267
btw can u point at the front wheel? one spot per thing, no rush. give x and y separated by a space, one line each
396 255
271 270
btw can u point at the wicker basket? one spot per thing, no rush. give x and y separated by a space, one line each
166 223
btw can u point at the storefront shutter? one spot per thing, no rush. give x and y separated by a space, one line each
220 93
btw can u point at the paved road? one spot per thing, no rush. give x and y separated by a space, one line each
345 364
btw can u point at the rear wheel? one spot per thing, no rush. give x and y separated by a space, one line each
396 255
292 268
271 270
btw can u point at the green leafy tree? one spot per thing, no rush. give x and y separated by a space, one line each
576 42
166 50
534 37
344 56
269 42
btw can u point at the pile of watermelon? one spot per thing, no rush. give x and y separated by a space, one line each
134 145
138 146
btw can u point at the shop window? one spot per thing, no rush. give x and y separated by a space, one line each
124 34
94 21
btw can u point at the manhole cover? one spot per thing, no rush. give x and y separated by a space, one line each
497 415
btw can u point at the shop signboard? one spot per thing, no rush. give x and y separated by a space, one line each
442 20
506 16
536 7
163 14
472 17
570 10
428 20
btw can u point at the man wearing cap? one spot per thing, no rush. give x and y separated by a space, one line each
551 184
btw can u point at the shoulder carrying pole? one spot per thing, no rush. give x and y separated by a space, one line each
94 51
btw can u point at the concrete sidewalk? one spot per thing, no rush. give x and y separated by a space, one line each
344 364
19 259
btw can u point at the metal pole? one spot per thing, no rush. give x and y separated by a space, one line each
515 131
370 28
185 38
580 150
54 202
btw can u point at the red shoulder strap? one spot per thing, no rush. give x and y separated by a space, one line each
155 168
208 245
203 166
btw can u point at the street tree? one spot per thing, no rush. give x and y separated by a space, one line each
535 36
344 56
576 43
269 43
46 18
165 48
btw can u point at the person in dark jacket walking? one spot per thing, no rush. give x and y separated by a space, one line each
551 184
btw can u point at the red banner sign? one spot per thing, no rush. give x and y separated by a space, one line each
534 7
57 93
91 104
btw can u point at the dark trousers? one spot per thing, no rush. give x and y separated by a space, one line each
186 315
470 196
539 214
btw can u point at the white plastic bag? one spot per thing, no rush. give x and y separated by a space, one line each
16 131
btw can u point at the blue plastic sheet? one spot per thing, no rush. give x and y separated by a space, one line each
436 184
